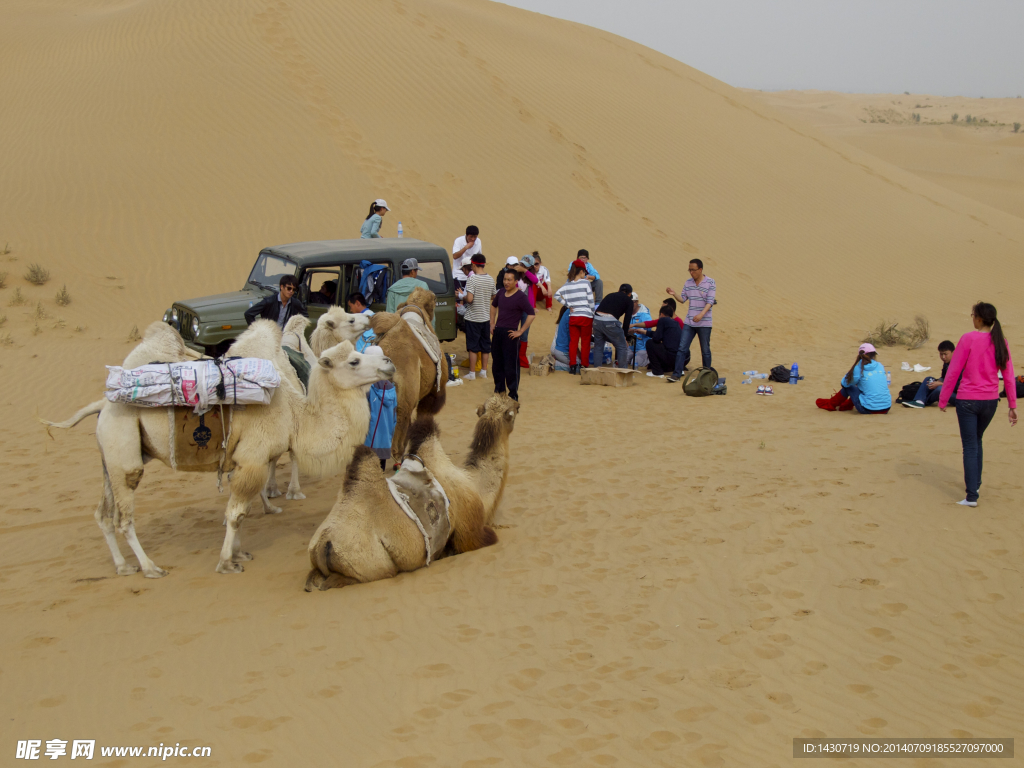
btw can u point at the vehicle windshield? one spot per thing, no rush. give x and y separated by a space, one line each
269 269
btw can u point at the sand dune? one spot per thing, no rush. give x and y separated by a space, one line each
678 581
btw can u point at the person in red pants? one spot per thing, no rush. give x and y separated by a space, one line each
578 296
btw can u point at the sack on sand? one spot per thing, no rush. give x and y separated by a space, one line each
908 391
700 382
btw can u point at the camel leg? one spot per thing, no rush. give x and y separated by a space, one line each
272 491
403 418
149 568
248 482
268 508
294 490
105 520
124 473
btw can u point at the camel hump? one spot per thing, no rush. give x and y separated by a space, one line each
382 322
296 325
262 339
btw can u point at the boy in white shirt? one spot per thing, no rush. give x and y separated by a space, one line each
466 247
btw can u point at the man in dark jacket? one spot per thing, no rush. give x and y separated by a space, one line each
664 344
280 308
607 326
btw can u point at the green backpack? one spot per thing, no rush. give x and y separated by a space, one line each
700 382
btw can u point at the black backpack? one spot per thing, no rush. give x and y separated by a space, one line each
908 392
780 373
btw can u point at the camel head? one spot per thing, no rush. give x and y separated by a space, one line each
425 300
348 369
335 326
497 417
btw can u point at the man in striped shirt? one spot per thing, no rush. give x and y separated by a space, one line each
699 291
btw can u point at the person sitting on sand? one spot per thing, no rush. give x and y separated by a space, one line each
930 389
544 278
864 387
560 344
592 275
637 356
371 226
663 343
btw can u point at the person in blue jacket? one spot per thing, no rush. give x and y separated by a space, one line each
371 226
383 403
560 344
864 387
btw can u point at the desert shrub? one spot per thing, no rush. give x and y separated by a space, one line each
3 279
134 335
3 320
1016 129
37 275
889 334
6 340
79 328
63 297
6 250
37 330
955 117
916 116
968 119
60 322
17 299
39 312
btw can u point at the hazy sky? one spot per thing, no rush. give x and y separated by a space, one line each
945 47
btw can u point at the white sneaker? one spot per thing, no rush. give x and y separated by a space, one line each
654 376
483 374
922 368
906 367
469 376
966 503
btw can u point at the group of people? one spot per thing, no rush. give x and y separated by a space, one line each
970 380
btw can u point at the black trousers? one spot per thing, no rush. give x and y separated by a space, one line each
505 362
660 359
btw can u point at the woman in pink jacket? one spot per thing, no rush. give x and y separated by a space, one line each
979 357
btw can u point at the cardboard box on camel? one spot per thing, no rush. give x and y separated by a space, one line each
608 377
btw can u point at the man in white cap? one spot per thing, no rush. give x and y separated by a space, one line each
371 227
400 289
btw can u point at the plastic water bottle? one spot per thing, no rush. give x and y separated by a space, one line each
794 374
888 377
747 381
400 229
750 373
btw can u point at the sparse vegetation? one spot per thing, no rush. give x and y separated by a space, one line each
916 116
889 334
7 246
79 328
3 320
37 330
3 279
39 313
968 119
37 275
6 340
63 297
1016 129
134 335
17 299
60 322
955 117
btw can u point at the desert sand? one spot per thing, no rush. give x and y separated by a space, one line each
677 581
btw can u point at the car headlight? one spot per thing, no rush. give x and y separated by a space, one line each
174 315
195 326
167 316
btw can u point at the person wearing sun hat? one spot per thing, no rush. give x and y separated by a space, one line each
863 388
371 226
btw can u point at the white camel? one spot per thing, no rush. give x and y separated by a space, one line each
333 327
323 429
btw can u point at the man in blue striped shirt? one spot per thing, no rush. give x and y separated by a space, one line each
699 291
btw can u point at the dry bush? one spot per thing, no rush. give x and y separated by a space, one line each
39 313
134 335
63 297
6 340
79 328
6 250
60 323
37 330
3 320
3 279
36 275
888 334
17 299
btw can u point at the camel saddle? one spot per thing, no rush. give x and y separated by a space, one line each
416 319
423 499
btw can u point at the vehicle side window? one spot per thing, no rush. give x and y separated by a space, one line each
269 270
321 287
372 282
432 273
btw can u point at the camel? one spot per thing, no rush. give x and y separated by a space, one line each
416 382
334 326
367 536
322 428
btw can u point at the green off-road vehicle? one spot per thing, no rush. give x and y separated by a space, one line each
328 271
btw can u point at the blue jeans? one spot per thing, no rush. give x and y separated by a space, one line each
974 417
854 394
683 355
930 396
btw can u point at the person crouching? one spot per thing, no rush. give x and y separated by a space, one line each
864 387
